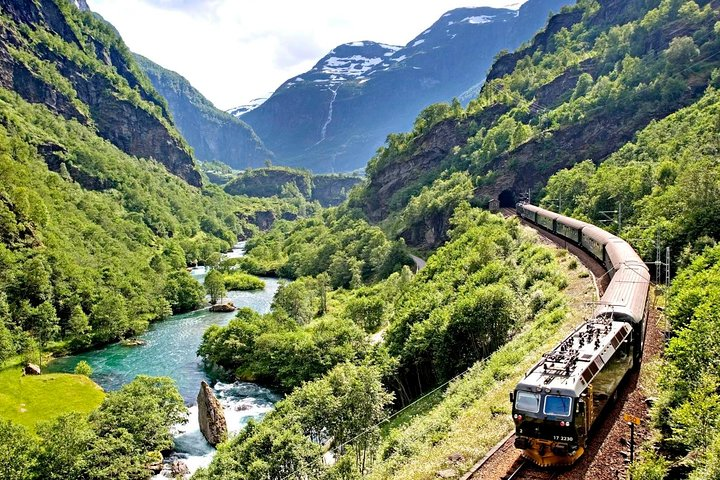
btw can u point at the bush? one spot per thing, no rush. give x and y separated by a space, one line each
83 368
242 281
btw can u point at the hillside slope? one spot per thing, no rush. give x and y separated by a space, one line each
94 241
334 117
580 90
54 54
213 134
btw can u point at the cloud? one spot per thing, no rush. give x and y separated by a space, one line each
234 50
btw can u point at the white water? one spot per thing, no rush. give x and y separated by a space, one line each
240 401
323 132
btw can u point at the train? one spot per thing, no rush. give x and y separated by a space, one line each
561 398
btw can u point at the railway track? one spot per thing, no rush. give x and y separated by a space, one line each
527 470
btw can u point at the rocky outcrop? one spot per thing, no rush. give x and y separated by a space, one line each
179 468
31 369
268 182
331 190
118 101
223 307
211 416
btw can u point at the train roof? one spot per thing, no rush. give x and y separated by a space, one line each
571 222
571 366
598 234
627 294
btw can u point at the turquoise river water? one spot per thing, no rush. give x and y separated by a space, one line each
170 350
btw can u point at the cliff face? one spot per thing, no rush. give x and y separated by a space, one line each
329 190
213 134
53 53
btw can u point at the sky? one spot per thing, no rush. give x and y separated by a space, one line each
235 50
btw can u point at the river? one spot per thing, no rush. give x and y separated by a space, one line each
169 350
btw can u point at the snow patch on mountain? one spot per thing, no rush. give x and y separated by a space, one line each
249 106
418 42
351 66
478 20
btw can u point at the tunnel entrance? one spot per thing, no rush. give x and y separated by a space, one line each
507 199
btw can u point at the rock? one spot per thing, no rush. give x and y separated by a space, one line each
31 369
211 416
447 473
156 467
133 342
456 457
178 467
223 307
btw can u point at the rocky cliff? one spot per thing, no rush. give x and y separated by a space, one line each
329 190
211 416
52 52
212 133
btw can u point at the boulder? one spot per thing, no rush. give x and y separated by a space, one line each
211 416
178 467
31 369
223 307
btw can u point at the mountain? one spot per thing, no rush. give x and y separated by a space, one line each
335 116
212 133
76 65
576 92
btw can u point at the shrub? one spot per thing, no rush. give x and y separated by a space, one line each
83 368
242 281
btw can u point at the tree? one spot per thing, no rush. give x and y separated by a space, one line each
64 447
17 452
79 327
367 312
215 285
109 317
145 408
83 368
681 52
183 292
298 299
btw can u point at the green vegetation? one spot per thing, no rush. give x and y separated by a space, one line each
337 241
83 368
119 439
292 183
242 281
688 410
667 181
29 400
345 403
91 265
466 303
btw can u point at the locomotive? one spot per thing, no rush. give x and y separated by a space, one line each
560 399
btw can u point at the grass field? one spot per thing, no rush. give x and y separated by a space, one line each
27 400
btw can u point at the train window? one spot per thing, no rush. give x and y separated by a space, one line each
558 406
527 402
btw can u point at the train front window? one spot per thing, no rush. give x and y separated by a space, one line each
527 402
557 406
